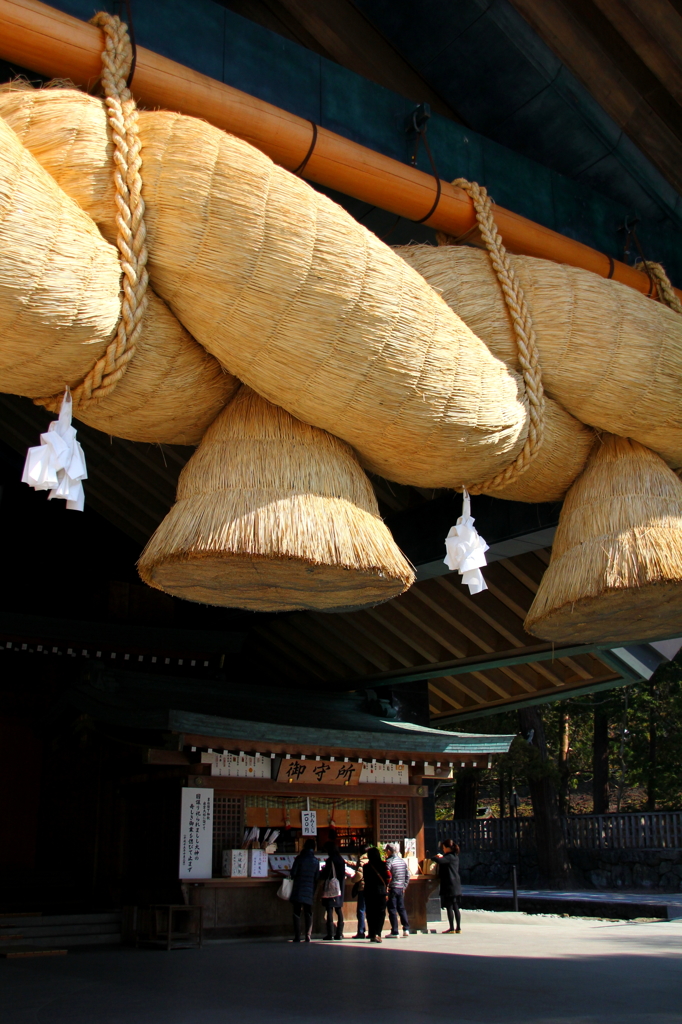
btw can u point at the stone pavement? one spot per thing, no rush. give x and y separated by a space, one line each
503 969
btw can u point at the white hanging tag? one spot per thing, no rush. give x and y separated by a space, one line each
57 465
466 549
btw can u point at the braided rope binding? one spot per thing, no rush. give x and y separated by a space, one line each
664 288
132 234
666 294
523 331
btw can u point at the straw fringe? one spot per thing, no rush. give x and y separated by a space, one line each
617 556
311 528
264 488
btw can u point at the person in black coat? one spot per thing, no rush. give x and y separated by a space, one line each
450 884
377 877
305 872
335 867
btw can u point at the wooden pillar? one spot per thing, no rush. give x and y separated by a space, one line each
466 793
430 827
417 825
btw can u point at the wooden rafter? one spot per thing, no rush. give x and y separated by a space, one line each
328 640
290 650
518 676
380 636
491 684
544 670
443 604
483 611
423 644
524 571
459 683
347 631
505 586
413 611
440 692
310 647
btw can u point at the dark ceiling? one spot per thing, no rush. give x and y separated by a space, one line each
590 88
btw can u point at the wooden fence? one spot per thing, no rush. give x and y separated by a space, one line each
489 833
659 830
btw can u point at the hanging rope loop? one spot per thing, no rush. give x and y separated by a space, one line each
524 333
131 239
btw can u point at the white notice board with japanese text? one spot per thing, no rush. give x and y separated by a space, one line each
196 833
308 823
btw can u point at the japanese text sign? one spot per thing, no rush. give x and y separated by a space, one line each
330 773
196 833
308 823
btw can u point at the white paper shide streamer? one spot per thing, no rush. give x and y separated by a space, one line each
57 465
466 549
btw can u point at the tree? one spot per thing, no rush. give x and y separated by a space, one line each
600 760
652 751
622 743
550 846
564 751
651 775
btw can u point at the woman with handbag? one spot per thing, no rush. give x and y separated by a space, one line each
304 874
376 876
450 885
333 879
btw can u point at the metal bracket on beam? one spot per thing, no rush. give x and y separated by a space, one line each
418 119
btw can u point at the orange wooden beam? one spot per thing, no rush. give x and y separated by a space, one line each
51 43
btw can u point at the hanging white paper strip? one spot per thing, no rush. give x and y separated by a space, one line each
57 465
466 549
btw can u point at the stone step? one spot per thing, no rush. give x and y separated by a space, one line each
18 952
25 921
45 930
59 930
54 941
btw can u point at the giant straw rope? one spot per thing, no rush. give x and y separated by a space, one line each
524 333
131 231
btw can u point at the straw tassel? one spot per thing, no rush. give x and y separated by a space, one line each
616 567
273 515
57 465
